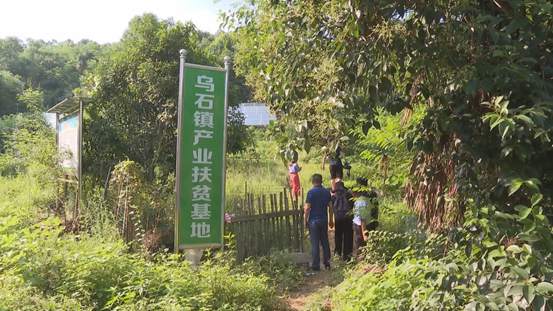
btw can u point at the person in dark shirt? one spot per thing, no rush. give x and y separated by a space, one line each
342 203
335 165
347 167
318 217
336 168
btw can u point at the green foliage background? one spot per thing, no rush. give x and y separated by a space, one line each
44 267
446 103
481 71
132 96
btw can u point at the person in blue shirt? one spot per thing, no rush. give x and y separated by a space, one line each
318 218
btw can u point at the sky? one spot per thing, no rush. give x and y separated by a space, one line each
103 21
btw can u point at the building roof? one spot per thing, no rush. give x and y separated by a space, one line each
66 106
256 114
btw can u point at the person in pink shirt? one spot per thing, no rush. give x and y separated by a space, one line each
294 178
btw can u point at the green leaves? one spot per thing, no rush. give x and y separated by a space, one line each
515 186
524 212
44 268
545 288
484 140
523 273
536 199
531 184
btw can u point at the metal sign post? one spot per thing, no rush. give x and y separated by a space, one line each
201 147
69 141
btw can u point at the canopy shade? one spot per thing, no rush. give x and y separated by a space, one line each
67 106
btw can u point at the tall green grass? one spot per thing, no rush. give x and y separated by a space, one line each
260 177
42 268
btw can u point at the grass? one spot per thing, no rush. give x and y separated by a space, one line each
270 176
261 176
264 176
395 216
41 268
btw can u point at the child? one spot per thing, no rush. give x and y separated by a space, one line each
294 177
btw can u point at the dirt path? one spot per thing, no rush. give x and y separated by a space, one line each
312 284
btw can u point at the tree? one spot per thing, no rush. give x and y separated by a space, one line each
10 50
32 99
238 136
482 70
454 58
51 66
10 86
133 97
132 111
216 48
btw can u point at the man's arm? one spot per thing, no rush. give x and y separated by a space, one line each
364 231
330 215
364 221
306 210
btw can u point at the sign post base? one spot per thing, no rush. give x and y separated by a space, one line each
193 256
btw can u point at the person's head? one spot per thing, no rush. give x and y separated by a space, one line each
361 186
317 179
339 186
338 152
362 181
294 161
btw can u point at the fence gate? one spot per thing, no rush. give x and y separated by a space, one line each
268 222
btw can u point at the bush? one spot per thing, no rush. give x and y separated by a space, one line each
447 273
16 295
27 145
279 267
46 269
390 291
395 216
382 245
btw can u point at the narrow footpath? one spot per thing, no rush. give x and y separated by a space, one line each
315 285
312 286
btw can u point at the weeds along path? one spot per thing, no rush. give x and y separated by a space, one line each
312 286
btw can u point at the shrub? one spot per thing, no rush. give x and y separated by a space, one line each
16 295
142 210
395 216
390 291
283 274
449 273
28 145
382 245
68 272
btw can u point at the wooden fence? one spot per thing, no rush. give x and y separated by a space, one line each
267 222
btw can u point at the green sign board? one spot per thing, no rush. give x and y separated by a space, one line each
200 157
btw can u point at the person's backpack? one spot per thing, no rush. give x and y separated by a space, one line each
341 205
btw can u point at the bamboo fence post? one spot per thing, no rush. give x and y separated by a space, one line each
295 225
259 227
281 232
287 219
302 222
264 224
254 236
274 233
